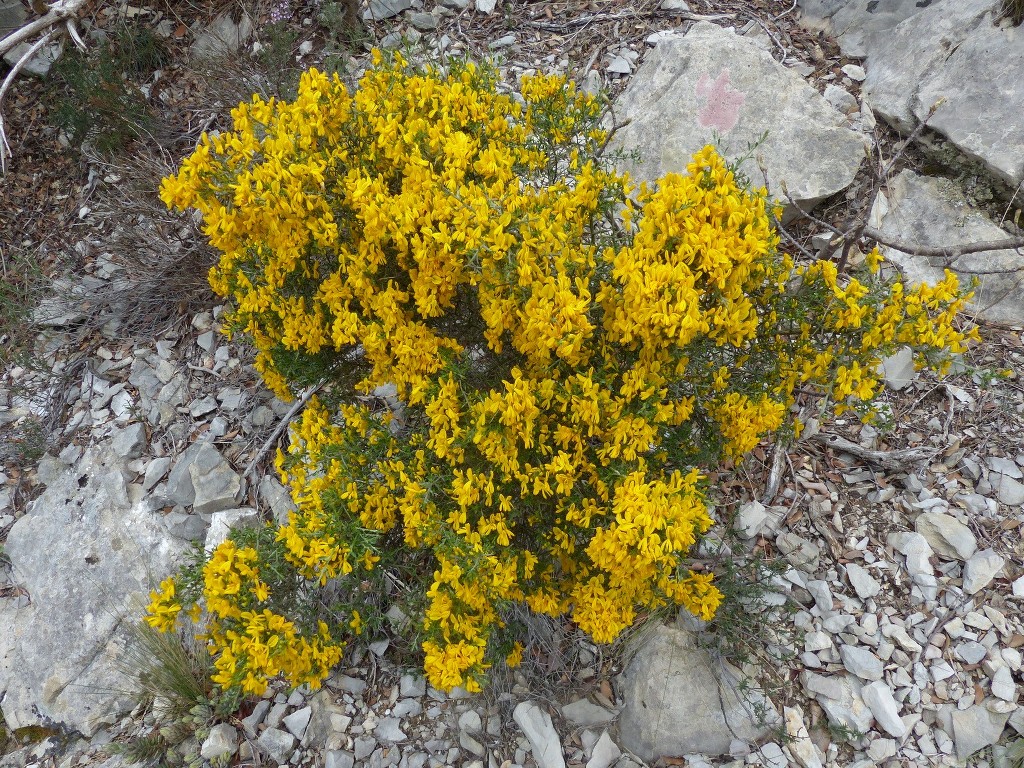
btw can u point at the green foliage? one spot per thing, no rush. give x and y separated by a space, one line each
33 734
22 283
150 750
1014 755
276 58
93 94
30 441
340 20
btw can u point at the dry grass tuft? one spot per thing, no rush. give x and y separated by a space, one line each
1013 10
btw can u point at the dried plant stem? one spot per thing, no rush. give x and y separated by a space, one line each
296 407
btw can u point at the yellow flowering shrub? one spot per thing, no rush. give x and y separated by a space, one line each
570 354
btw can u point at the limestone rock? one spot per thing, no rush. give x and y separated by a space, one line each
277 744
13 15
221 524
861 662
128 443
411 684
883 706
800 745
179 482
933 212
754 519
801 552
981 569
1008 490
858 27
840 697
224 36
584 712
297 721
898 369
280 501
336 758
39 65
863 583
677 701
918 552
947 536
221 743
536 725
424 22
389 730
385 9
88 557
975 728
605 752
951 54
1003 686
712 81
214 482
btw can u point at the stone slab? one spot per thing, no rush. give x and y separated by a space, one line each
88 555
714 84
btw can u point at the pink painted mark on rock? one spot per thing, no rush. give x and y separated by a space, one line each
722 102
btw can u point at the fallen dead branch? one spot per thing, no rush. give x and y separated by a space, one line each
893 461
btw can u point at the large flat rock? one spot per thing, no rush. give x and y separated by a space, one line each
713 83
678 701
857 25
88 552
929 211
953 55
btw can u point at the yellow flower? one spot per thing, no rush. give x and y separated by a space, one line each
515 657
163 610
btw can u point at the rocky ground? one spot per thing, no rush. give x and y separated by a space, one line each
891 634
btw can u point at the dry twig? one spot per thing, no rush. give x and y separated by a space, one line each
952 252
296 407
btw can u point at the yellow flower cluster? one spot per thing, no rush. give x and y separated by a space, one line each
860 323
570 351
251 643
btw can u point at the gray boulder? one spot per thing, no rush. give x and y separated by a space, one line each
977 727
222 37
88 552
954 53
840 697
678 701
201 477
536 724
947 536
712 82
933 212
378 10
216 484
857 25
